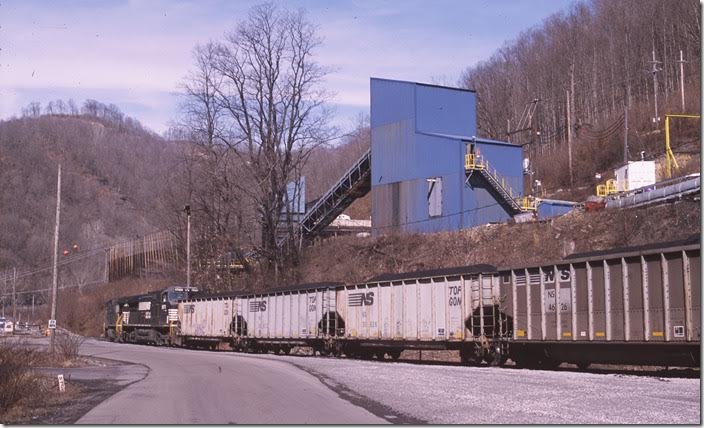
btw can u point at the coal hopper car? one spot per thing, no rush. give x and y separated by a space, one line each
638 306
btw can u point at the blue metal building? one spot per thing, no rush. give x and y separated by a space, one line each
420 135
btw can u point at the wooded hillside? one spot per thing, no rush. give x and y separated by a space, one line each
113 170
584 67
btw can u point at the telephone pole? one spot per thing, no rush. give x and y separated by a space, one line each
625 134
655 69
569 138
188 245
55 272
14 296
681 62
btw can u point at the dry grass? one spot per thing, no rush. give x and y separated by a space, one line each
350 259
42 404
17 381
69 345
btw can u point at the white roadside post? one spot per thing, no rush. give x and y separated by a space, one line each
62 384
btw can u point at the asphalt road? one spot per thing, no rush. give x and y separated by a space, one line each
197 387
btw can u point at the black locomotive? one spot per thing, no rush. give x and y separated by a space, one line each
147 318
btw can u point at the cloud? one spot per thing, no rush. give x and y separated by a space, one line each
135 53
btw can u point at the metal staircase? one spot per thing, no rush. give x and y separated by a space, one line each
515 204
355 183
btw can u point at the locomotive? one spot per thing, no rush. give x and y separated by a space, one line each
147 318
638 305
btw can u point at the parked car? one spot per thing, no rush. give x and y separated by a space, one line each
8 327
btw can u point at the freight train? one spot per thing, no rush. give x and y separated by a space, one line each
638 305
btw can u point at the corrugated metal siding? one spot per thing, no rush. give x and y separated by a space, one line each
420 132
445 110
206 318
437 308
652 297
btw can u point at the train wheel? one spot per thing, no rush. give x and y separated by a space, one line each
395 354
549 364
582 365
527 362
469 358
366 355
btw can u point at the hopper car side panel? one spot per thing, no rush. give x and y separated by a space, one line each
630 308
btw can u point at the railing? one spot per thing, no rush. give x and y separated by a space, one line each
339 196
474 162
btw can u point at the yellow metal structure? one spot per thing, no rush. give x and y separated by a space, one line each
606 189
475 162
669 156
529 203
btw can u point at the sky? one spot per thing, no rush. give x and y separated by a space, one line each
135 53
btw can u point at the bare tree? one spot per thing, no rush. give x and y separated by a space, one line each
258 94
33 109
598 51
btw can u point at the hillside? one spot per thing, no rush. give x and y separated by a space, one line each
577 75
112 174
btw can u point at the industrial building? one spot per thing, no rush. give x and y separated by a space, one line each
420 136
427 170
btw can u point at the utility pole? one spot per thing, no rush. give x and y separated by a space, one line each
625 134
14 295
655 69
681 62
188 245
54 279
569 138
508 130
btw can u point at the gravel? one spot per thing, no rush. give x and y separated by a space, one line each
488 395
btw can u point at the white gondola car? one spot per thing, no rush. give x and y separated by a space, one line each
286 317
446 306
206 321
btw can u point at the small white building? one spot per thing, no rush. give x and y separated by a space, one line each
634 175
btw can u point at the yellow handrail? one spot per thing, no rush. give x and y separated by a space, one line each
473 162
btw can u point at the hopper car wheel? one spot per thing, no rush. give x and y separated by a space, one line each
549 364
338 350
527 362
469 358
395 354
495 360
367 355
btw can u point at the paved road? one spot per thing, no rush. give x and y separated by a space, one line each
197 387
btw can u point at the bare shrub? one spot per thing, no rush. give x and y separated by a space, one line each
69 345
17 381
